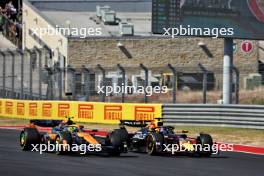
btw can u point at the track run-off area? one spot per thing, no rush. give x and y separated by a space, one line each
15 162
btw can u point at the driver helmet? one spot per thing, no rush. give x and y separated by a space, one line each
152 125
67 121
157 130
80 127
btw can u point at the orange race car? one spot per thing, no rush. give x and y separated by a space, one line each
63 137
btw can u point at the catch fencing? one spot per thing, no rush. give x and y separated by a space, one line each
32 74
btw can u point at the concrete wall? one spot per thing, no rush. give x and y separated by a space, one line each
183 53
156 53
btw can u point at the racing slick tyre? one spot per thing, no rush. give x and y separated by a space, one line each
122 133
206 143
151 144
63 143
117 139
28 137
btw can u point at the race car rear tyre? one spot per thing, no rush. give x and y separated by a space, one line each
28 137
118 137
151 144
123 134
206 142
63 143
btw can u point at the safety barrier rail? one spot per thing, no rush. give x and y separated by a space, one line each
240 116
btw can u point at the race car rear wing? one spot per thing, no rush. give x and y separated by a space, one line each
135 123
140 123
46 123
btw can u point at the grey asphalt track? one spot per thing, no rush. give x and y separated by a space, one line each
15 162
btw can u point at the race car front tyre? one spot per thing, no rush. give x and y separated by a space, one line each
29 137
63 143
206 144
154 143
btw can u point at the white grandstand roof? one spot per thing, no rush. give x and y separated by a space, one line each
137 12
141 21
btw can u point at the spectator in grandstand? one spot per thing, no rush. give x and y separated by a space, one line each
10 21
11 11
2 10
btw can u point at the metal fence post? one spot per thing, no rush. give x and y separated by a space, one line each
30 75
122 69
227 70
103 82
146 81
237 85
73 83
174 72
46 50
204 82
22 74
49 94
205 87
39 56
86 75
58 72
4 73
13 74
